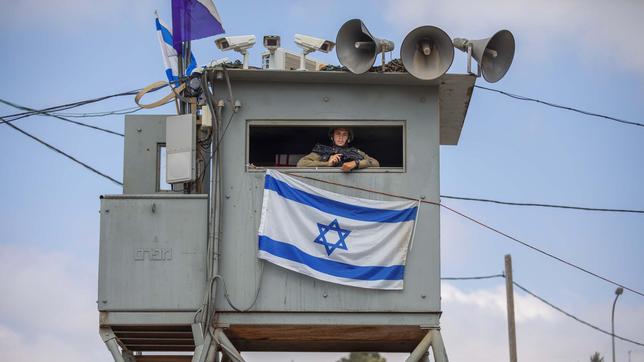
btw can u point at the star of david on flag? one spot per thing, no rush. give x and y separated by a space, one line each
334 237
342 235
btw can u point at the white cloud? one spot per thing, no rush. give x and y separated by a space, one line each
47 309
15 347
474 327
494 301
606 34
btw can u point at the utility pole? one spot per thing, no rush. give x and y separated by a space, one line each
509 293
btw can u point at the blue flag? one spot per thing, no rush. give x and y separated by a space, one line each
194 19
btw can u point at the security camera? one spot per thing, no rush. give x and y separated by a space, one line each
271 42
239 43
311 44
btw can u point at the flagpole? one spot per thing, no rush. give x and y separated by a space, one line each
186 62
180 66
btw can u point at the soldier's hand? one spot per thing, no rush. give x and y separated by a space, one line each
334 159
348 166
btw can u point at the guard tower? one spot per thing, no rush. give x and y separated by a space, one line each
179 271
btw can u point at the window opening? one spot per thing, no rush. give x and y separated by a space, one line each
162 184
283 145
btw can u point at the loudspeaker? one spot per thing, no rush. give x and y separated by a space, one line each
357 48
427 52
494 55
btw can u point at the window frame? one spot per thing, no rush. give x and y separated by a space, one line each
162 168
326 123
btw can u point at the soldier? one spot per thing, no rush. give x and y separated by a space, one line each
340 153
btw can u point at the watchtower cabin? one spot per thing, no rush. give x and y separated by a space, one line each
179 270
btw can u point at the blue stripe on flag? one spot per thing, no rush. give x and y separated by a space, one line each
338 208
165 33
331 267
191 65
171 77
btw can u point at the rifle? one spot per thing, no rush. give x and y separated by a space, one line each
346 154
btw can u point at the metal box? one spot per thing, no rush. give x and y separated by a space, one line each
152 252
180 148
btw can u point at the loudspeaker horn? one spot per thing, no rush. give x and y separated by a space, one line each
494 55
427 52
357 49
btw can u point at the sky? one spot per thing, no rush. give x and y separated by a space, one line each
586 54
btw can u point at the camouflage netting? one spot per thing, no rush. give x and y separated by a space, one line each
395 65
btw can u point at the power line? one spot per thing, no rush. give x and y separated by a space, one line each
76 104
58 117
547 303
121 111
62 153
117 112
573 317
477 222
475 278
541 205
70 105
523 98
541 251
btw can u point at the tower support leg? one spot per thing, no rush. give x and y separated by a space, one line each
434 340
227 346
205 347
110 342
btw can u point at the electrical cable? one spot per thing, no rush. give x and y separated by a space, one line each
207 163
227 295
482 200
523 98
62 153
479 223
60 118
549 304
475 278
228 122
573 317
121 111
542 205
72 105
75 104
541 251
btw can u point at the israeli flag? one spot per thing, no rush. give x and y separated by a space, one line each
169 54
332 237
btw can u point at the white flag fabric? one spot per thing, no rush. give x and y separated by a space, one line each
169 54
333 237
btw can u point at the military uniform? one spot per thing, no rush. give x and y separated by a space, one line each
314 159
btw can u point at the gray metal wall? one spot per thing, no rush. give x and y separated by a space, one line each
152 253
143 134
283 290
